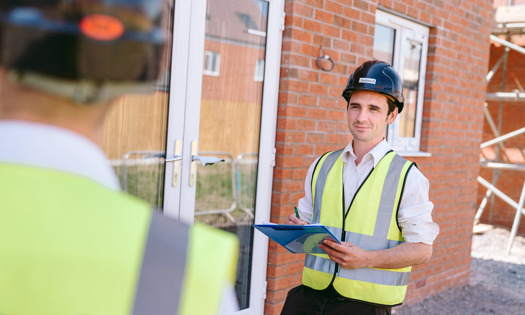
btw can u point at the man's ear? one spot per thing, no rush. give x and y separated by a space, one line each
392 116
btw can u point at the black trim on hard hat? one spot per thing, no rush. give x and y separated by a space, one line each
377 76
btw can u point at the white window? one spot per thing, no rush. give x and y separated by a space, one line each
212 63
259 70
404 44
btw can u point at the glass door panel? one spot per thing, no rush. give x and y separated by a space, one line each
384 39
229 128
135 140
412 63
209 103
135 134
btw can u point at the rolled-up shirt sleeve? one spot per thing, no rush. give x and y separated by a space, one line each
305 204
415 210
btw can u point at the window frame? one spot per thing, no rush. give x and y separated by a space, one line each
407 30
212 58
259 70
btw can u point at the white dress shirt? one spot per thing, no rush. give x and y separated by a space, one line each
415 210
55 148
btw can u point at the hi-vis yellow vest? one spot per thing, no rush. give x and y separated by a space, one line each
370 223
70 246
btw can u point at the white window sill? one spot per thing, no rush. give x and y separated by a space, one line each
210 73
414 153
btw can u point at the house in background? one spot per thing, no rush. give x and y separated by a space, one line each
243 83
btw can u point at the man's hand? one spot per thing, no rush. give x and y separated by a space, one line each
350 256
292 219
347 255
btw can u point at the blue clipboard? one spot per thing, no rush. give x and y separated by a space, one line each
298 238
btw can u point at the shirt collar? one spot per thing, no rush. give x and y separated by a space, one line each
376 154
55 148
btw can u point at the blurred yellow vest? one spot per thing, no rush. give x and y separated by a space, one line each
71 246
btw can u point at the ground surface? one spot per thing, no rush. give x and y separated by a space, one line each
497 281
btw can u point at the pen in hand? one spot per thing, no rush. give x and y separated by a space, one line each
295 219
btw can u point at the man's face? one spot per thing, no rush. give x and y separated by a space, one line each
368 116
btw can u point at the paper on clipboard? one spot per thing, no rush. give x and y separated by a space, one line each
297 238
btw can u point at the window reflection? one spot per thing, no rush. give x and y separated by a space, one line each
384 38
412 56
230 115
212 63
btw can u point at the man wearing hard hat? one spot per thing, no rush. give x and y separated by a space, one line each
374 200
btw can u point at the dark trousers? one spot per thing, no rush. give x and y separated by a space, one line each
307 301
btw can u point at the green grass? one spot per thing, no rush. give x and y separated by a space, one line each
145 182
215 189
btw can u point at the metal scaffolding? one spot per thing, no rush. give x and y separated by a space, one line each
508 21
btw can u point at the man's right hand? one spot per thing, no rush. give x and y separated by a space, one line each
292 219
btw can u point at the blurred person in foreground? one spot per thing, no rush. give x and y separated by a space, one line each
71 242
374 200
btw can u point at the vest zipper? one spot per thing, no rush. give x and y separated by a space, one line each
345 213
343 234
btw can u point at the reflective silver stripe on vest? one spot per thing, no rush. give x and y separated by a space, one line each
388 197
319 263
321 181
361 240
370 242
385 277
162 273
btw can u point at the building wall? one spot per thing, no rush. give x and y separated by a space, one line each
509 116
312 120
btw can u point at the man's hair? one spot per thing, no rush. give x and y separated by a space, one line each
391 103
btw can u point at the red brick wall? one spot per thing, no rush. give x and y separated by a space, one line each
312 120
510 116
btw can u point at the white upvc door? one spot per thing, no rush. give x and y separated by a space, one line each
218 98
223 88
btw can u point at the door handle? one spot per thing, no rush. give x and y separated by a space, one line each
206 160
176 163
174 158
193 165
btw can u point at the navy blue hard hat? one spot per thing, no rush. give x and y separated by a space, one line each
377 76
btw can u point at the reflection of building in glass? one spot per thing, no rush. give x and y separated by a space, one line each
212 63
231 104
412 64
384 43
233 74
